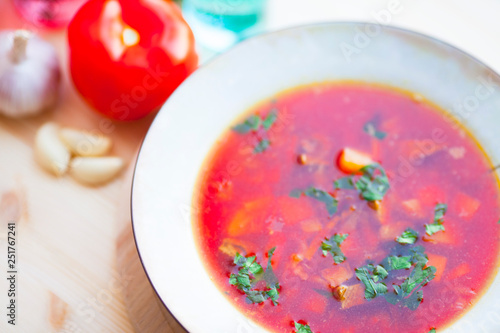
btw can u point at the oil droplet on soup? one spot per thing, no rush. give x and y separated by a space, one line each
382 214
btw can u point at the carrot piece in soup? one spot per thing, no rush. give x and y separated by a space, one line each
231 246
418 150
347 330
430 195
250 218
458 271
465 205
383 211
293 210
316 303
311 225
338 274
351 160
300 271
413 207
353 295
375 205
314 246
391 231
351 247
376 149
439 262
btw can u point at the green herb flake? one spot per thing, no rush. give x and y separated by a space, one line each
256 296
325 197
372 288
269 276
409 293
379 273
344 183
302 328
332 245
397 263
371 130
273 293
431 229
261 146
439 212
409 236
433 330
373 184
250 124
418 256
249 273
270 119
253 124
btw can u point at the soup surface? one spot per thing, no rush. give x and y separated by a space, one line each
376 212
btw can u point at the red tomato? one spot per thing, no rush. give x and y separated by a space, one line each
127 56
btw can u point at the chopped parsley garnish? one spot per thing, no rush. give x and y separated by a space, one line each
372 131
302 328
439 212
332 245
409 293
250 272
379 273
270 119
253 124
418 256
320 195
409 236
367 275
372 185
261 146
250 124
344 183
397 263
431 229
433 330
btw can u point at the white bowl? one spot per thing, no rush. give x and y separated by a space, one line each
198 112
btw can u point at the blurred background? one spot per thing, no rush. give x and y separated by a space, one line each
218 24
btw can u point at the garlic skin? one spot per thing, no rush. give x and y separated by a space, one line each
50 151
29 74
95 170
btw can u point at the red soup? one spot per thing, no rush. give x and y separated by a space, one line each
349 207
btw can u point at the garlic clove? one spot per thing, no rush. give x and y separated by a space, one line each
95 170
50 152
84 143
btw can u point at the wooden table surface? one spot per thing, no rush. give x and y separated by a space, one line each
70 274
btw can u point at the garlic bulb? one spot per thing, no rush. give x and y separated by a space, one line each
29 74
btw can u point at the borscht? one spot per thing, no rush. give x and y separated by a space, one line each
348 207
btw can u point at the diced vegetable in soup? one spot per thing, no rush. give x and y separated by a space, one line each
349 207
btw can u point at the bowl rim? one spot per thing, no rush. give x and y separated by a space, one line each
228 53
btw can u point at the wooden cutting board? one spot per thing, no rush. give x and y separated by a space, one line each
78 270
67 277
